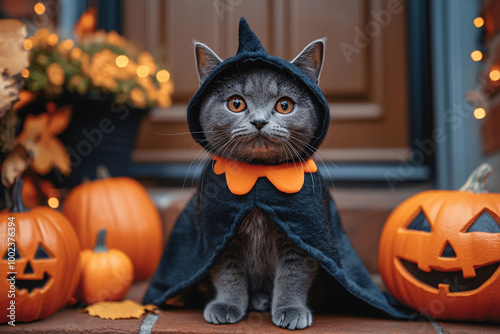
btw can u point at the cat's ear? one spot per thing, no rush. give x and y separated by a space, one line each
310 60
206 60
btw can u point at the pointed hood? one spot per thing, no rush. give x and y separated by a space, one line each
248 41
251 50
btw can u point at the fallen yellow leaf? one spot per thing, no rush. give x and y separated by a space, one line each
125 309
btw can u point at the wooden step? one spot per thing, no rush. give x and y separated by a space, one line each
189 321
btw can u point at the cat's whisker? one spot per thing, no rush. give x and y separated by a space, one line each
224 146
213 155
291 150
196 160
296 154
302 134
199 160
302 162
314 151
189 132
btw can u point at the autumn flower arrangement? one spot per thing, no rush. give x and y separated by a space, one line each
101 62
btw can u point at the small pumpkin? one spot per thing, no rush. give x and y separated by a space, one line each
440 252
122 206
44 252
107 274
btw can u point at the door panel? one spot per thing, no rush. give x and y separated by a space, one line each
364 76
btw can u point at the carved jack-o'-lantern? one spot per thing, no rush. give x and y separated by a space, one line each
440 252
44 253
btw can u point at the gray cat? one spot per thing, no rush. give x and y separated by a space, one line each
261 116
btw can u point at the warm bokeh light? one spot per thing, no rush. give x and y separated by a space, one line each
121 61
68 44
476 55
39 8
479 113
52 39
495 75
478 22
28 44
142 71
25 73
163 76
53 202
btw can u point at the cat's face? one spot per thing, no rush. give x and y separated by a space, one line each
259 115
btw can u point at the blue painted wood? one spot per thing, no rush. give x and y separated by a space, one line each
391 175
109 15
457 139
70 12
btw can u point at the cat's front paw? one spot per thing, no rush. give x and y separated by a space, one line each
221 313
292 317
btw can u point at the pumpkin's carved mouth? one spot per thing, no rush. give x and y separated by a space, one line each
31 284
454 279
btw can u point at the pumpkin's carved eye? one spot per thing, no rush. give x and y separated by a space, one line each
420 223
16 256
42 253
484 223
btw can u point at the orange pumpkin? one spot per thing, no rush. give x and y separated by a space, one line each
46 256
107 274
122 206
440 252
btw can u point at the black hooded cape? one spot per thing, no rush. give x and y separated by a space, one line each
308 217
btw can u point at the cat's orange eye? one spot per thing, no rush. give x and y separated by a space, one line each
236 104
284 106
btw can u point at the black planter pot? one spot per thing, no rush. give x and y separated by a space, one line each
101 132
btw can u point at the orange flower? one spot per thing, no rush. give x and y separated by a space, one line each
76 53
103 69
76 80
151 93
55 74
164 99
145 58
137 98
40 37
167 86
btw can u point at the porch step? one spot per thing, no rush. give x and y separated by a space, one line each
189 321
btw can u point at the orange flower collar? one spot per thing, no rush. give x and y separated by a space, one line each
241 177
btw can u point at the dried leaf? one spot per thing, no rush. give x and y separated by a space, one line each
125 309
25 97
13 57
60 120
39 137
50 153
87 23
34 127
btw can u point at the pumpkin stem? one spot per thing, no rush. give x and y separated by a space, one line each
476 182
102 172
17 197
100 245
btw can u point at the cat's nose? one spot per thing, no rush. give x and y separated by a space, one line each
259 123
